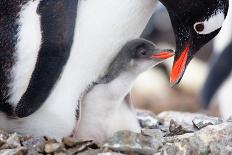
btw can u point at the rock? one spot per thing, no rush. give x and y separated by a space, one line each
60 153
34 144
126 141
110 153
185 147
49 140
148 120
69 141
183 118
229 119
176 134
90 152
17 151
176 129
221 147
203 121
80 147
14 140
53 147
215 139
3 135
154 133
172 139
2 143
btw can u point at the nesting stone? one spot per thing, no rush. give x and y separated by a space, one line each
14 140
69 141
17 151
155 133
126 141
215 139
110 153
201 122
177 129
36 144
3 135
53 147
148 120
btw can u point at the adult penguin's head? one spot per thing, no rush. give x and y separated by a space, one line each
195 23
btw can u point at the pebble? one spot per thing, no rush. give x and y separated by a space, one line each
53 147
201 122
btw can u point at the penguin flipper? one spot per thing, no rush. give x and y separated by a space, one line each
58 18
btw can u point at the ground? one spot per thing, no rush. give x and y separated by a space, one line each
167 133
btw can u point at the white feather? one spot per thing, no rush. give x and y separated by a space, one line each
102 27
29 41
105 112
212 24
225 35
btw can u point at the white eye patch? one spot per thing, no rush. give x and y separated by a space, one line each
210 25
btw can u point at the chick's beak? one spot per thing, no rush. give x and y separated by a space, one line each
163 54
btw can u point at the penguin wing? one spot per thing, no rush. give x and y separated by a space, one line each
58 19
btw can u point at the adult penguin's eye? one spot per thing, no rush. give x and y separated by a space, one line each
213 23
199 27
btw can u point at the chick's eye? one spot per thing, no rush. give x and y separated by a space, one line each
142 52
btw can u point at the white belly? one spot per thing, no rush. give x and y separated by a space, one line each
103 26
225 98
225 35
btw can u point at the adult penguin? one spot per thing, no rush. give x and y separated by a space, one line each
51 50
219 79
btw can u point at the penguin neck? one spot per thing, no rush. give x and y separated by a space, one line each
107 96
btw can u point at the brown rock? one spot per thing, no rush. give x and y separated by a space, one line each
53 147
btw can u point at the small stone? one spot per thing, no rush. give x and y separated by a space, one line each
60 153
80 147
126 141
17 151
53 147
14 140
214 139
155 133
229 119
90 152
201 122
221 147
49 140
35 144
1 143
69 141
148 120
3 135
7 146
176 129
110 153
183 118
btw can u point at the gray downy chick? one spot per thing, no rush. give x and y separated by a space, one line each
104 110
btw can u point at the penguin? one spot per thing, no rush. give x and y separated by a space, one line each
103 107
50 52
195 23
219 72
219 80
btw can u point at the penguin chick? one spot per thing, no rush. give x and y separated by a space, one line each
103 107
